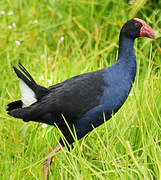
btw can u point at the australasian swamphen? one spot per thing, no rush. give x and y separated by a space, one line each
82 99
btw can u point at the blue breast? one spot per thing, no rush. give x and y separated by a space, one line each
118 78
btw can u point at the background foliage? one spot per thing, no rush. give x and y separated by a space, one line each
57 39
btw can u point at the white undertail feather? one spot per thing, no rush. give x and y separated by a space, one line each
27 94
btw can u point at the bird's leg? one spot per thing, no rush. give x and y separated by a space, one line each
48 162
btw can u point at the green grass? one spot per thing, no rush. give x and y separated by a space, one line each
129 145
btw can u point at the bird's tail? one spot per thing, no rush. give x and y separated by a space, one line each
31 92
25 76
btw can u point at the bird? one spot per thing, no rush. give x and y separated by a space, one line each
79 104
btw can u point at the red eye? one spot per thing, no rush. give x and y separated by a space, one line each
136 25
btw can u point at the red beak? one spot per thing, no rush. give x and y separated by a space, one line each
145 31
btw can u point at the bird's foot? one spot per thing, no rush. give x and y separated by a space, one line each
48 162
46 168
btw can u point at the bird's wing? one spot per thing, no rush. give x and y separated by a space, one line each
72 98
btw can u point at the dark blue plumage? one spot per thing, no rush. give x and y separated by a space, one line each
85 98
118 79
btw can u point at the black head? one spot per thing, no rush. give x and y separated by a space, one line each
136 27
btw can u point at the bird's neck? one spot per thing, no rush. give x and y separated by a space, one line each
126 48
126 56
